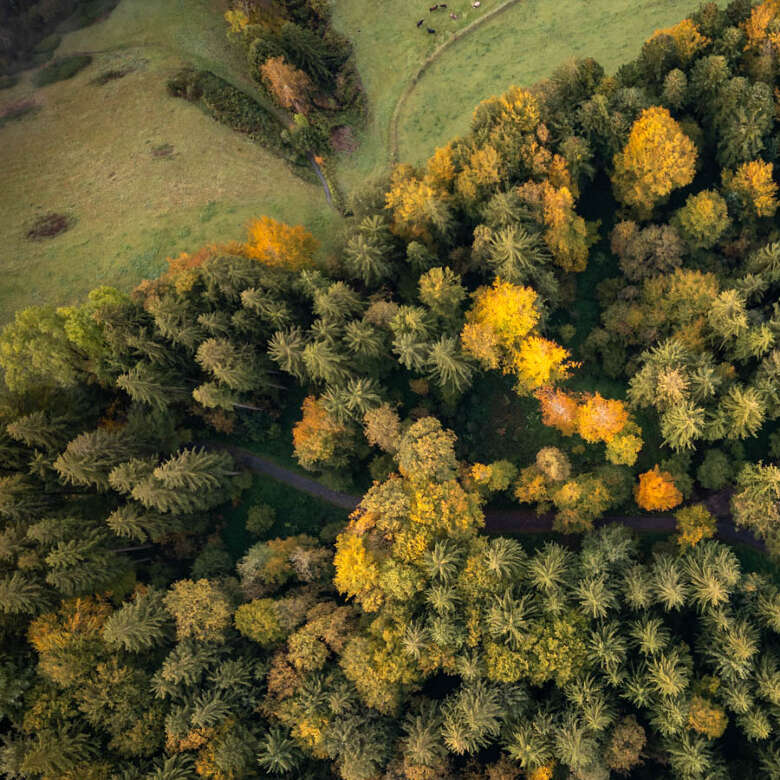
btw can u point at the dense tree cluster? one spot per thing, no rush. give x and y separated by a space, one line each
573 307
303 64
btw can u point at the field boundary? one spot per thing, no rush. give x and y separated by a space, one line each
430 60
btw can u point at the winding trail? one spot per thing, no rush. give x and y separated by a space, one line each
497 521
429 60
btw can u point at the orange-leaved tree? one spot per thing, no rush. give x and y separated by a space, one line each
595 419
601 419
277 244
762 26
656 491
657 158
319 439
291 87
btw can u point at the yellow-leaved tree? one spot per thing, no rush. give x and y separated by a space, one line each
658 158
687 39
755 188
500 332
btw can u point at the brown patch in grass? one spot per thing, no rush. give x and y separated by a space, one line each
163 152
342 139
49 225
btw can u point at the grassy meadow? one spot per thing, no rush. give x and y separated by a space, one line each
142 175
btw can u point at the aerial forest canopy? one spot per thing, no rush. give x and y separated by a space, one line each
571 310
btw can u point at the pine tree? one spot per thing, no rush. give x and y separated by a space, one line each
517 255
21 595
89 458
364 340
39 430
335 303
367 253
448 366
140 624
285 348
20 498
236 366
278 753
412 352
212 395
668 584
151 385
441 291
324 363
196 470
133 521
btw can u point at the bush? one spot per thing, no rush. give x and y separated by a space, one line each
6 82
213 561
59 70
49 43
260 519
715 471
229 106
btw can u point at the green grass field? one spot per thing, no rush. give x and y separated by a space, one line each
88 151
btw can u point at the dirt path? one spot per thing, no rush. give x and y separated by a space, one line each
429 60
497 521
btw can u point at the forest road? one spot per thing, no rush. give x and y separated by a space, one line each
497 521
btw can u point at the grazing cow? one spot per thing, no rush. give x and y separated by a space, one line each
442 5
419 24
431 30
476 4
453 16
434 7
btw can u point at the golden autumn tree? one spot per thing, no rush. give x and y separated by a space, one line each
319 439
657 159
754 186
566 233
687 39
703 219
278 245
500 333
508 311
539 362
762 26
440 168
656 491
291 87
601 419
420 202
694 523
482 172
